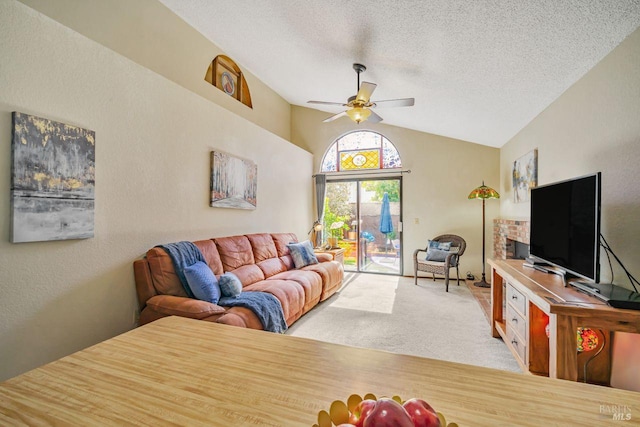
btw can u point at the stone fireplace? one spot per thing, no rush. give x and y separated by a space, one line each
509 236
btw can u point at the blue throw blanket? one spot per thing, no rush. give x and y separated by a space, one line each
264 305
183 254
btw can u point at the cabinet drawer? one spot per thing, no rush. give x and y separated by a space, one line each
518 344
516 299
515 321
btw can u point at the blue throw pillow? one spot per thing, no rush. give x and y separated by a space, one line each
302 254
202 282
436 255
439 255
443 246
230 285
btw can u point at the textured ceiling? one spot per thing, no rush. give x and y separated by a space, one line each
479 70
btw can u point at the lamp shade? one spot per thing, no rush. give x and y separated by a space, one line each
484 192
359 114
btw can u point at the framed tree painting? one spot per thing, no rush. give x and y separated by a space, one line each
234 182
52 180
525 176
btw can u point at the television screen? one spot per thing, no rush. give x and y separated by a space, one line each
565 225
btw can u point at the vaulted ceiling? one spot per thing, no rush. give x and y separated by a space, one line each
479 70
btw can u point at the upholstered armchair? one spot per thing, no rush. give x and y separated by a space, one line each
441 254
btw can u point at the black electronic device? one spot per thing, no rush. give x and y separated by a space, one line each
615 296
534 261
565 226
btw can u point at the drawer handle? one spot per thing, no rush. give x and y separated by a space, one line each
514 342
514 296
514 320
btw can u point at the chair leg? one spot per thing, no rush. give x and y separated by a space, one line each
415 273
434 276
446 280
458 275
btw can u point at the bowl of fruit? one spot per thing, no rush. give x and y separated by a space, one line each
369 411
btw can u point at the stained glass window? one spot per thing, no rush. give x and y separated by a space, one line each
361 150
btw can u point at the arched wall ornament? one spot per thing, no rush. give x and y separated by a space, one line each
224 74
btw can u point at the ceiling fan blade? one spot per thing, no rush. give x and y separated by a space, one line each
364 94
335 116
374 118
327 103
403 102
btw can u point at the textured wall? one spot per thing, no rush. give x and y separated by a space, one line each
148 33
593 127
153 140
443 173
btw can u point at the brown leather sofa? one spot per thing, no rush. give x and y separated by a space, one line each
262 263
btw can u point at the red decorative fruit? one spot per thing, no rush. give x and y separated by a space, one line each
421 413
388 413
361 411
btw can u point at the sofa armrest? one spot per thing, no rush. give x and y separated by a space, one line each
323 257
170 305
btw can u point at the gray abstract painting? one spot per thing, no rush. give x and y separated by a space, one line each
234 182
52 180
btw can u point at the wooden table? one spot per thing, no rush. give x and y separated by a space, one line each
191 372
545 300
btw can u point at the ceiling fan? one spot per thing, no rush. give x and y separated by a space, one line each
360 104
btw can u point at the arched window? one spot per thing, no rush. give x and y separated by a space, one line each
361 150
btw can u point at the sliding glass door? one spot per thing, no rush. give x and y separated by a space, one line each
364 216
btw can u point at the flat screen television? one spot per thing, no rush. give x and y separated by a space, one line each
565 225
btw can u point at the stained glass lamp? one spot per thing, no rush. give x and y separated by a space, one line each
587 340
483 192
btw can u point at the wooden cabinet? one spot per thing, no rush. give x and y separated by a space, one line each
538 318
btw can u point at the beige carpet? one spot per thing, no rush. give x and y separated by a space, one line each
391 313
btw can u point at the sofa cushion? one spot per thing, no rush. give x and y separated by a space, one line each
281 240
289 293
181 306
272 266
263 246
202 282
310 281
235 251
230 285
331 273
249 274
288 262
302 254
163 274
210 253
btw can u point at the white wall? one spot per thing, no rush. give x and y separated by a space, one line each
595 126
443 173
153 140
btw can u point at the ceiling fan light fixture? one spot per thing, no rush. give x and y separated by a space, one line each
358 114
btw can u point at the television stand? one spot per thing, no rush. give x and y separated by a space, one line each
524 301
